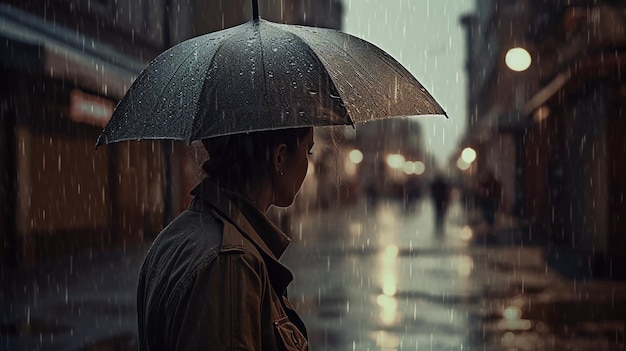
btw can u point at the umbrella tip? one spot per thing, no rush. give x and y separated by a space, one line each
255 9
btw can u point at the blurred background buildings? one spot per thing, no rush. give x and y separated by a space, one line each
546 103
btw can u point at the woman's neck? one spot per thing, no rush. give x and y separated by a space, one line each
259 194
261 198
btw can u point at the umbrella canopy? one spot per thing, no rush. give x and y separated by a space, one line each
263 75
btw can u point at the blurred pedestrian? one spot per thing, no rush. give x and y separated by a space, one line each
440 193
212 279
412 191
488 198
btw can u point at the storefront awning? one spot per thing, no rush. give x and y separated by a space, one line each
30 44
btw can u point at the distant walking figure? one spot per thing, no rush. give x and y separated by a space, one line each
440 192
489 191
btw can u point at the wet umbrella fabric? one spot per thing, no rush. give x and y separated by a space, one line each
262 75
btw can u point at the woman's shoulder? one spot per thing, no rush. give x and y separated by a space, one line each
191 239
198 237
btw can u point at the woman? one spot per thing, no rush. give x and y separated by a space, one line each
212 280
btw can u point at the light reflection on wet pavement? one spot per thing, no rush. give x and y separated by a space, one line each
379 278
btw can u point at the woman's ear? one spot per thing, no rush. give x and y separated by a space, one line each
279 159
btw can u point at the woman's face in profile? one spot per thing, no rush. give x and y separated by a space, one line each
295 169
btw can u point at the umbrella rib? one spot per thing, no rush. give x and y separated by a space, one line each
387 95
236 31
400 72
312 51
372 78
340 49
267 103
164 88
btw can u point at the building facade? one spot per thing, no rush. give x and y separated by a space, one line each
66 63
555 130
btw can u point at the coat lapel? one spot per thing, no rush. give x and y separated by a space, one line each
264 235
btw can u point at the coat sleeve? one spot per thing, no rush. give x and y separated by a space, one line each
223 306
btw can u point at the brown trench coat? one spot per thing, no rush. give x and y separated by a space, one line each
212 281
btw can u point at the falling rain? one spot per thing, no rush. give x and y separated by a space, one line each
501 227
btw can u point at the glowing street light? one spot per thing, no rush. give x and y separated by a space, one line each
409 167
462 165
420 168
395 161
518 59
468 155
355 156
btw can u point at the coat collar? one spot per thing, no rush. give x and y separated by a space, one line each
246 216
253 224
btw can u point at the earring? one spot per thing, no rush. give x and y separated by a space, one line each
281 173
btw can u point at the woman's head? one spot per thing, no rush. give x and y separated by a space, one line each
247 161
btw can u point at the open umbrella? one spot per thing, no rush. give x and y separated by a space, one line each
262 75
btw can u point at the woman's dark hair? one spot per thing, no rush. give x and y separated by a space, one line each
236 160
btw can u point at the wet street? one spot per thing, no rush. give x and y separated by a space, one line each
367 277
377 277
